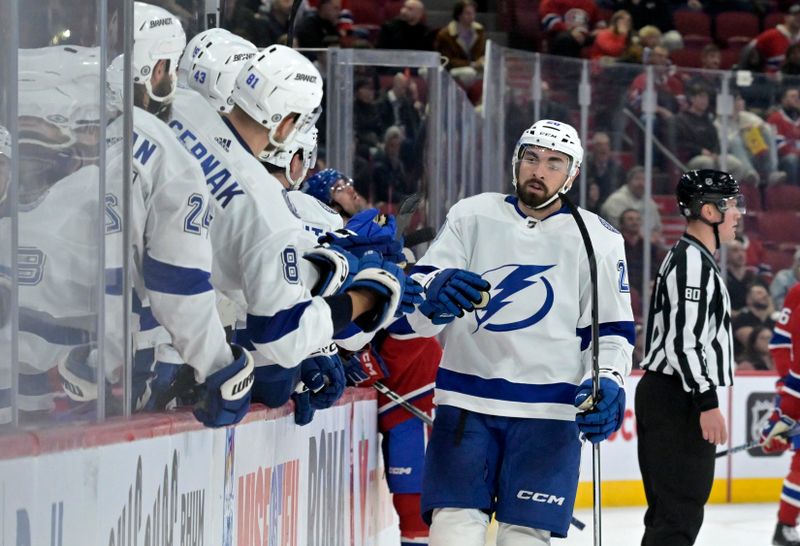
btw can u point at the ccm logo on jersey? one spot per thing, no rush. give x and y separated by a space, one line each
305 78
692 294
540 497
161 22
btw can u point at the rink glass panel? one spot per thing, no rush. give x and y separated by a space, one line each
57 212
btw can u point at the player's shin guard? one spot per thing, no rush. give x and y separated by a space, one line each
462 526
412 529
516 535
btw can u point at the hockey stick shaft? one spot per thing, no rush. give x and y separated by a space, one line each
596 478
755 443
292 16
425 418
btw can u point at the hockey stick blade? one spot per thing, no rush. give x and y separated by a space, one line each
421 236
405 211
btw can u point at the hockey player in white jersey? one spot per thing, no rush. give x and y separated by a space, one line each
513 371
259 240
170 215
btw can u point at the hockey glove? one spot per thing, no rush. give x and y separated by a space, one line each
78 373
397 293
274 384
303 412
336 268
773 435
364 368
450 292
605 418
169 385
323 374
225 396
368 230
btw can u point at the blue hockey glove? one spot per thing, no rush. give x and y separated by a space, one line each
364 368
303 411
774 434
336 268
368 230
224 398
397 293
451 292
606 416
169 385
273 384
323 375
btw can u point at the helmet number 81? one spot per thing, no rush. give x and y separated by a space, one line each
252 80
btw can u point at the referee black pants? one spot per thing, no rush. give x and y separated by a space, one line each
677 465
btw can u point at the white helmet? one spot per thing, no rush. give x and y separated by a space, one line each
195 45
213 73
157 35
305 142
276 84
552 135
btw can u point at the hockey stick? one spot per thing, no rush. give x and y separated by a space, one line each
292 16
405 211
425 418
589 403
755 443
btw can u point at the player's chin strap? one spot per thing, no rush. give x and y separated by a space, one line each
714 226
562 190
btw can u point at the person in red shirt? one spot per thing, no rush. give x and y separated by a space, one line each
612 42
787 125
785 351
773 43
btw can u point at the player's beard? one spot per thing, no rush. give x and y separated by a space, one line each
530 199
163 110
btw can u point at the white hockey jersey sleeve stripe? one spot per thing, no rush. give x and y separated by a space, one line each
503 389
625 329
173 279
264 330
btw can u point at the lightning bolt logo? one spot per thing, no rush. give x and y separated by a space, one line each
520 277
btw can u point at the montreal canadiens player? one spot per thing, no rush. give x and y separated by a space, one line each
264 259
170 214
785 350
514 370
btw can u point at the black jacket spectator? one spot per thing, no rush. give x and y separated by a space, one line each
318 29
407 30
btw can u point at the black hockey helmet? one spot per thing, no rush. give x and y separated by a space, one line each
695 188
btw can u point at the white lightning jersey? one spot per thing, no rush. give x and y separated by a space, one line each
170 215
257 235
317 217
525 353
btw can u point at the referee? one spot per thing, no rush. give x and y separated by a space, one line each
689 353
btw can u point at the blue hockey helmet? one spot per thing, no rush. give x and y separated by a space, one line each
320 184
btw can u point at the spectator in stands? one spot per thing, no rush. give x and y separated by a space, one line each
758 311
271 22
756 257
463 42
366 116
773 43
630 226
408 30
631 196
696 140
755 355
646 13
791 65
320 28
568 25
391 184
710 59
601 168
787 125
399 107
739 276
612 42
640 49
784 280
669 90
749 140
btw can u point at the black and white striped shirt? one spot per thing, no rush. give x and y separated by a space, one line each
689 324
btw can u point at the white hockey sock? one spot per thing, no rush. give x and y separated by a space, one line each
462 526
516 535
